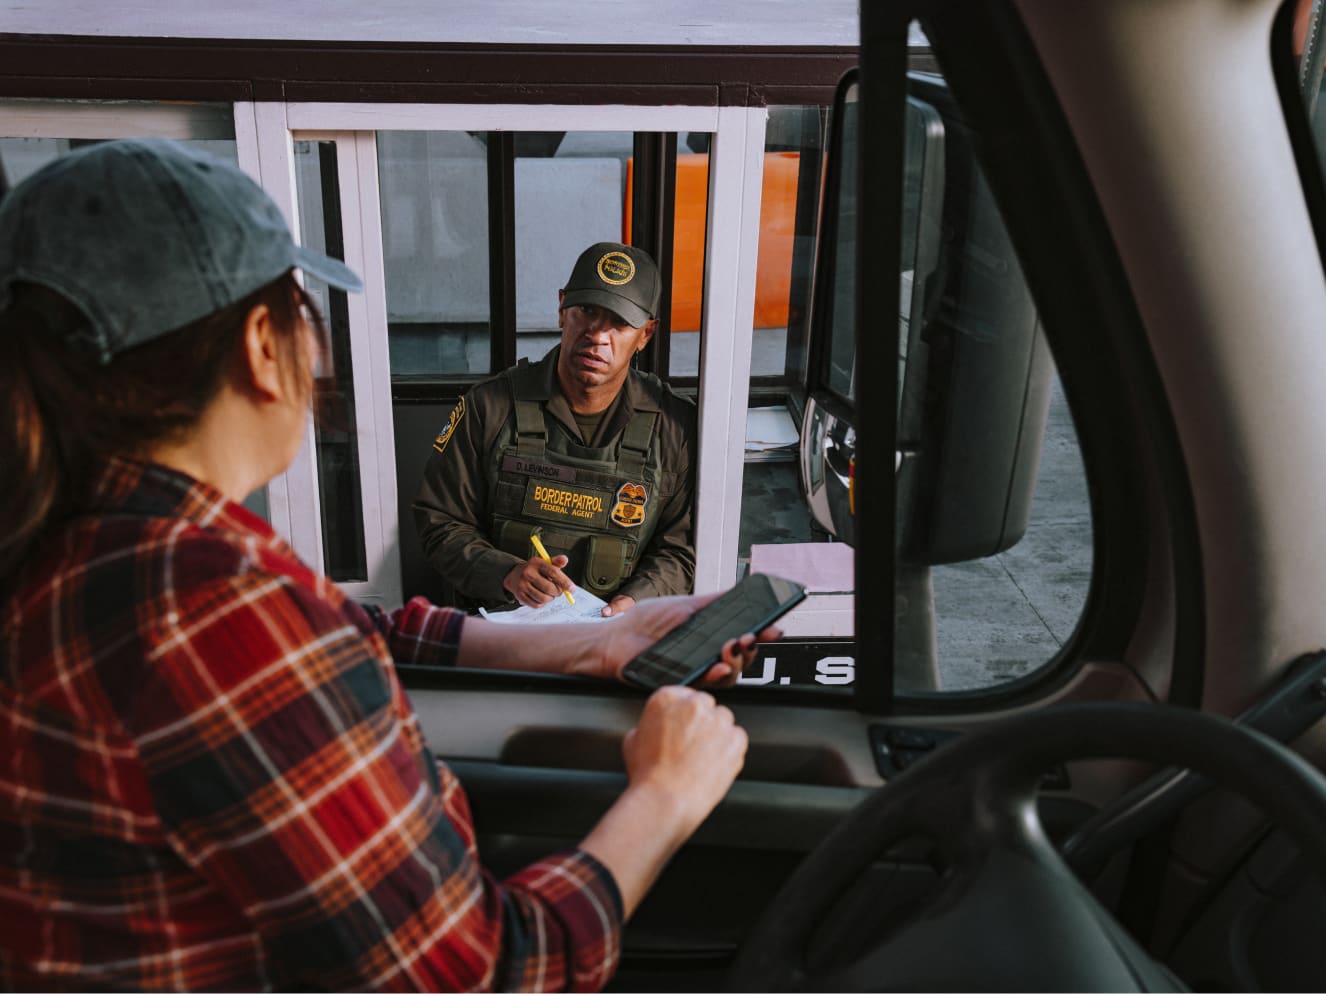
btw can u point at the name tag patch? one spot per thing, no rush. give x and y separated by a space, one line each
557 502
543 470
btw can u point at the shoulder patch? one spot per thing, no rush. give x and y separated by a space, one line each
444 436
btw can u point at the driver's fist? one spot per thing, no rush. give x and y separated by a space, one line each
689 746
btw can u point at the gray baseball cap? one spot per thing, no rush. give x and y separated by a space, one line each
620 277
145 236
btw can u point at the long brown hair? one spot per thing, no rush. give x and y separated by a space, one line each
62 414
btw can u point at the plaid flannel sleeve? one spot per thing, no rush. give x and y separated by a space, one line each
420 633
289 770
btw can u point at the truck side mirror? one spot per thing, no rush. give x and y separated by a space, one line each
974 370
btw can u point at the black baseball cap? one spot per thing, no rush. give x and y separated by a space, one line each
145 236
621 278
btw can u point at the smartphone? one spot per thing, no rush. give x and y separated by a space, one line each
685 654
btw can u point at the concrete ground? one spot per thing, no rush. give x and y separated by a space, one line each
1002 617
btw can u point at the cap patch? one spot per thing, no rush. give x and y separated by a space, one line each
616 268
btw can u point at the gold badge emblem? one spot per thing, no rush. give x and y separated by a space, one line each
444 436
629 511
616 268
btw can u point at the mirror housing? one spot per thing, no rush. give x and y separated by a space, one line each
974 369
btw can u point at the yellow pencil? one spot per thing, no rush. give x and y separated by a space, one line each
543 554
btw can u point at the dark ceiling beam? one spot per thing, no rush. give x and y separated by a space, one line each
202 69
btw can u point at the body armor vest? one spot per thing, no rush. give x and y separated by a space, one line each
598 507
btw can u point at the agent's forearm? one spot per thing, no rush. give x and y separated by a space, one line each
464 557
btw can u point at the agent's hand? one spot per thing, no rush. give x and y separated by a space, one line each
618 605
535 582
688 747
649 621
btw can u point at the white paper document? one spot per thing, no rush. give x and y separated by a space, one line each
587 607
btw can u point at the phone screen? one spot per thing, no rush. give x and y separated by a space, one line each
684 654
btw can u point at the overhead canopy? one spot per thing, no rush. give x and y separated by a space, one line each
732 23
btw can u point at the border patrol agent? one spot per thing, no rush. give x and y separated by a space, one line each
580 448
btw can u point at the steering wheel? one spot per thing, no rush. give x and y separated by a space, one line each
1007 913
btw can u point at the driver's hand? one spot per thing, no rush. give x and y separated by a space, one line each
687 746
651 619
535 582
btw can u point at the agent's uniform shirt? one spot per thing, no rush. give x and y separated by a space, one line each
455 507
213 780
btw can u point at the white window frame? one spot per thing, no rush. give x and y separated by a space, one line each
266 132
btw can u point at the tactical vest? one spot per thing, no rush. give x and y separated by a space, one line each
598 507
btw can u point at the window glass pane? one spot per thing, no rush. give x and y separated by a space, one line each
690 221
789 204
434 196
337 443
568 191
21 157
773 512
994 526
571 191
994 539
840 357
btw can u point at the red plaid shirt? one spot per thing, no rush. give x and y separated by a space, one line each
210 778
